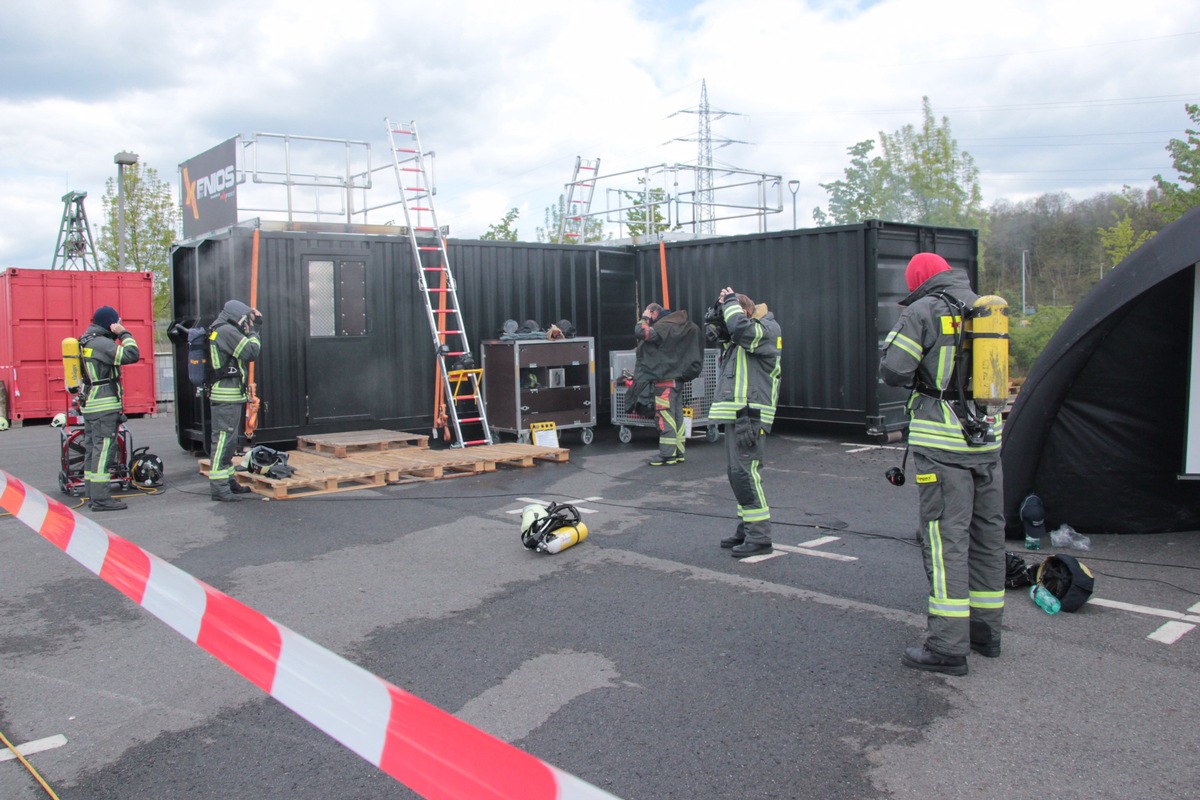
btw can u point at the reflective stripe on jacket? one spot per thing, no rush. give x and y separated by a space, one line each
749 372
102 357
228 346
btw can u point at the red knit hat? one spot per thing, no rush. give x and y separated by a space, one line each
922 267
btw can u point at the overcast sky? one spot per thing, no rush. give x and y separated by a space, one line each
1046 95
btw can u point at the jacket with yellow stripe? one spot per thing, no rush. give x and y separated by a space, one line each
229 354
749 369
103 355
919 353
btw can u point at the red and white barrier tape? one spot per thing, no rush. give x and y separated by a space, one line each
432 752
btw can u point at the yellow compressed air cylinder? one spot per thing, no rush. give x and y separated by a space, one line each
987 331
72 365
564 537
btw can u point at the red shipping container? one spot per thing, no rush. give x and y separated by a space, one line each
39 308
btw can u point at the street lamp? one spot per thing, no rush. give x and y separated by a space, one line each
1024 305
122 159
793 186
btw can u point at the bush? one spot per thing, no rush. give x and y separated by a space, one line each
1028 336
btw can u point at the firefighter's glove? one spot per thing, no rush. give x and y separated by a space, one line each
746 432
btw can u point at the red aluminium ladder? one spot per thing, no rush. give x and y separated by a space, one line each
458 379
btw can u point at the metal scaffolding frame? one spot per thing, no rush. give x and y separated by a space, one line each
707 195
337 174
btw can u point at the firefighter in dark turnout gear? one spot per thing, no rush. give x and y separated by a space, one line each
959 479
744 401
233 342
104 348
670 347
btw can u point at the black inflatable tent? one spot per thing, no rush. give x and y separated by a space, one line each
1099 428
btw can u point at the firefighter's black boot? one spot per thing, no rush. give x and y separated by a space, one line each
738 537
924 658
220 491
751 549
238 488
982 640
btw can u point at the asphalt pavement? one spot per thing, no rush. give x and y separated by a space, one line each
644 660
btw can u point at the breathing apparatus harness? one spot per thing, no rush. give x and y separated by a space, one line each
230 369
267 461
85 380
539 524
976 426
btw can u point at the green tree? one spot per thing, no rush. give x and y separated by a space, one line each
1028 336
645 217
593 227
869 191
1185 157
503 231
922 177
1125 236
151 216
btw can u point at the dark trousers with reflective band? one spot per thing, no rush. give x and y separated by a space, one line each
962 539
100 450
745 447
227 424
668 414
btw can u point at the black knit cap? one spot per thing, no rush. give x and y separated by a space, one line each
106 317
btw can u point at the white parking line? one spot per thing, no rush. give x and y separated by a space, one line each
541 502
862 448
29 748
808 551
805 549
766 557
1168 632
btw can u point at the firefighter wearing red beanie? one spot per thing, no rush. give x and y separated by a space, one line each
959 479
922 267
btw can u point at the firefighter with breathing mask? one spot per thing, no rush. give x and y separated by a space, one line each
233 342
744 400
105 347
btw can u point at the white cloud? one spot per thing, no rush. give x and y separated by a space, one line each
1046 97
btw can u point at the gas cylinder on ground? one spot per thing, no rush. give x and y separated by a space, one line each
564 537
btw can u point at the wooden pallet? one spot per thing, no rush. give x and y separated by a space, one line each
315 474
341 445
426 465
325 473
407 465
523 455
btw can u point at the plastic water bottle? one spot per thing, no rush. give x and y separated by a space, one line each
1033 542
1045 600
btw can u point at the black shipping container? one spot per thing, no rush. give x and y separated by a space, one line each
347 345
835 293
346 341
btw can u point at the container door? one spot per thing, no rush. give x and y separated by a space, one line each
891 401
617 293
340 379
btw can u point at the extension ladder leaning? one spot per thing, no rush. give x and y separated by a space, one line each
572 228
459 380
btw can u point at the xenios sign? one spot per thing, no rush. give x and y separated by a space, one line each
209 190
